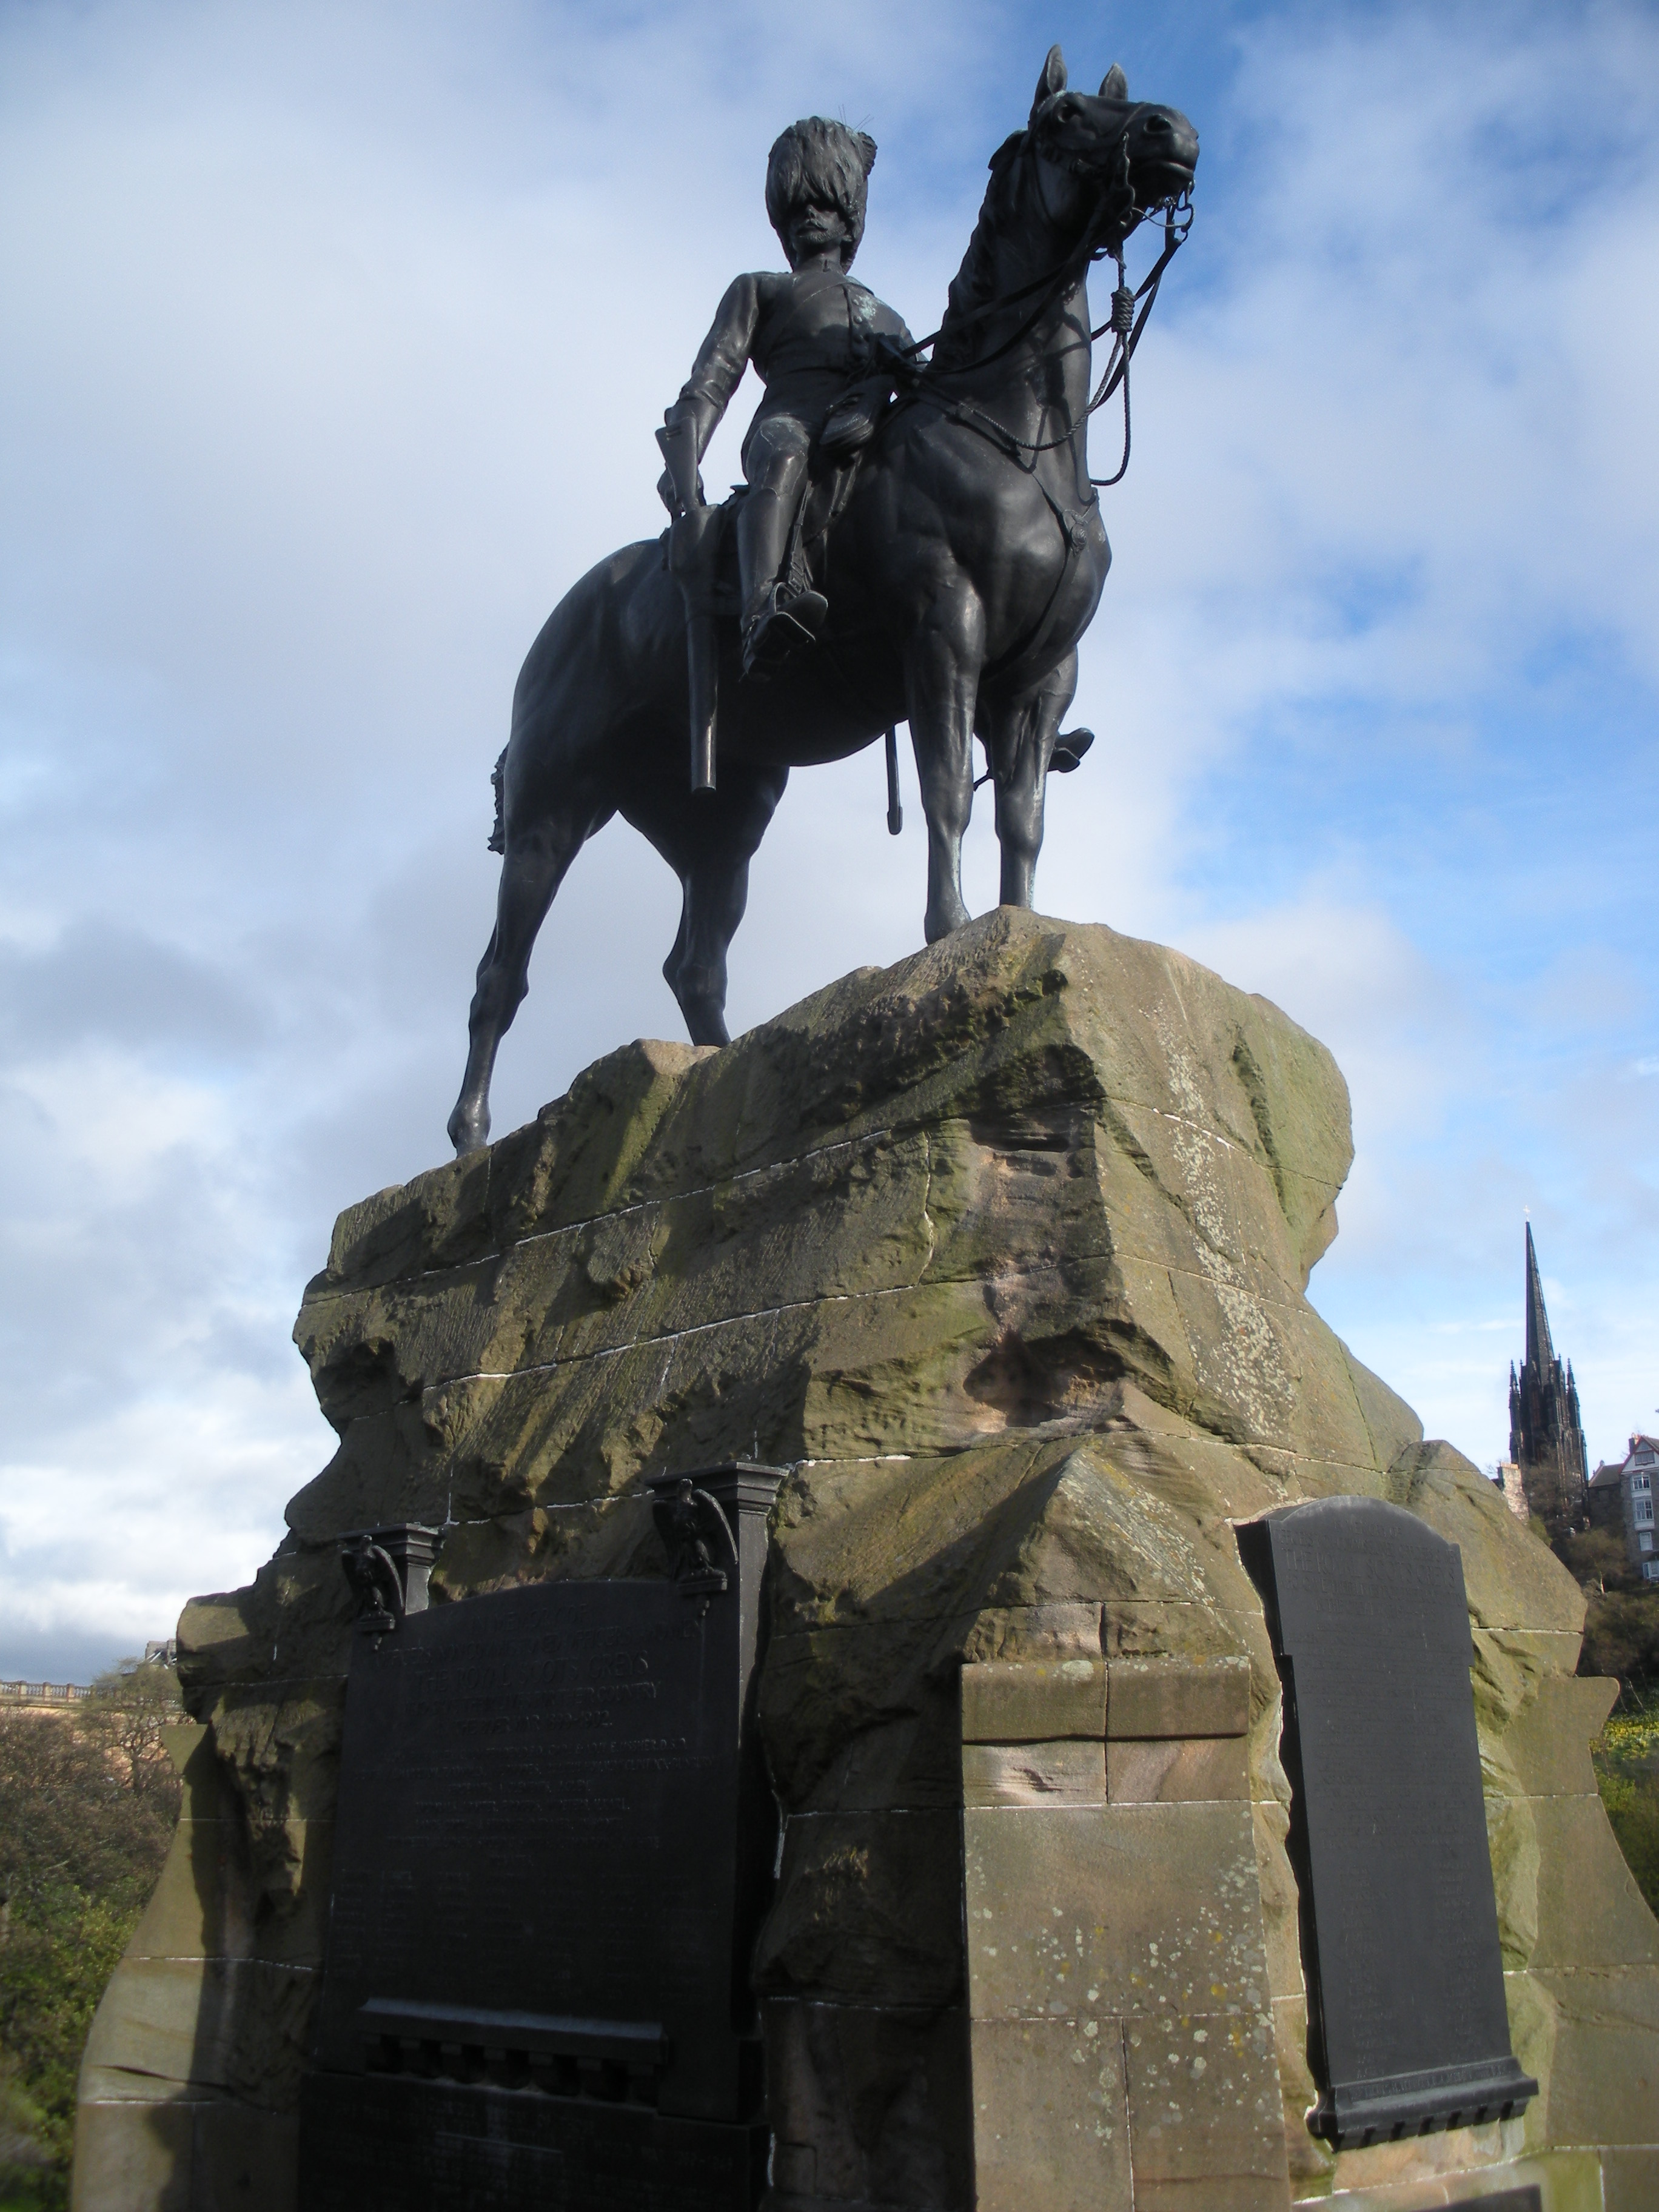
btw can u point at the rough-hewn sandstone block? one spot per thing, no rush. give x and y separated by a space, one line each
1003 1252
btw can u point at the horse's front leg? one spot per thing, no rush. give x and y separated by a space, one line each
1020 740
942 663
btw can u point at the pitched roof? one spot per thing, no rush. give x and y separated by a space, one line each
1612 1471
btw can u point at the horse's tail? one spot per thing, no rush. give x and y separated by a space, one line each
497 776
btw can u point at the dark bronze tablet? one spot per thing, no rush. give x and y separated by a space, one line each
1408 2027
553 1844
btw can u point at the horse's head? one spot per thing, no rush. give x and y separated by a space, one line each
1123 157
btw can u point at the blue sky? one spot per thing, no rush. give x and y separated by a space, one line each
336 337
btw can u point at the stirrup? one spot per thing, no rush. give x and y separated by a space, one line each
779 628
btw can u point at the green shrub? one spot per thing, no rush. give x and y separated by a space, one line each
1621 1637
1596 1560
87 1804
27 2179
1627 1773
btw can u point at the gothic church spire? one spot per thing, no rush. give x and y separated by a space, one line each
1546 1439
1540 1352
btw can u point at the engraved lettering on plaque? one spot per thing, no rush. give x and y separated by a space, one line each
552 1848
1408 2027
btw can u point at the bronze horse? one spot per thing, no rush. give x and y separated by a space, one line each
966 564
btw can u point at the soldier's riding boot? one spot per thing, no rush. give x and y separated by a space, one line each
775 620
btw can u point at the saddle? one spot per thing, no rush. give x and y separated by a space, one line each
700 551
706 565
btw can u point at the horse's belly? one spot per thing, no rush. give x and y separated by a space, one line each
815 709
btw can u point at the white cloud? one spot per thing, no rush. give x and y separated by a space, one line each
135 1511
336 337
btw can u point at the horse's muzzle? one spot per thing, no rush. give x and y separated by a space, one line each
1162 148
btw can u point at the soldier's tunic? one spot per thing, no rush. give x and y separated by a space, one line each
811 336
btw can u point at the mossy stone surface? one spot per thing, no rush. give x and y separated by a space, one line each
1004 1253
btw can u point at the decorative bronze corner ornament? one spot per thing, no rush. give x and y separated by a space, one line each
389 1571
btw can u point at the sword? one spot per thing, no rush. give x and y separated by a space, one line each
693 536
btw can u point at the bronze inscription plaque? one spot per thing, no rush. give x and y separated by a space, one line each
552 1848
1408 2027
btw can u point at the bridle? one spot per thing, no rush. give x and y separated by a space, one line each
1127 325
1127 322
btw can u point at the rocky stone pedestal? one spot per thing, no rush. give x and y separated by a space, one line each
1003 1252
1122 2048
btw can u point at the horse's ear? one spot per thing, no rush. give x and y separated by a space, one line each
1053 79
1114 85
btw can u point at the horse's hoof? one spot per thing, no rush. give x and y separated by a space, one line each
705 1023
468 1132
946 924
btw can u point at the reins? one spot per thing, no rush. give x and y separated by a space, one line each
1126 325
1127 322
1051 284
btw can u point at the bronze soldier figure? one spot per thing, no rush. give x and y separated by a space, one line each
810 336
958 572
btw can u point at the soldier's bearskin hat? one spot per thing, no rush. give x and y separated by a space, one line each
816 159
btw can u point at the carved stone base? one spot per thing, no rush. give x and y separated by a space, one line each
1003 1252
1123 2051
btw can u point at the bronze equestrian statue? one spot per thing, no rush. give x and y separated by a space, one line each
945 558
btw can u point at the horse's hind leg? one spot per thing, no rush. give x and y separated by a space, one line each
709 840
1020 740
715 893
532 869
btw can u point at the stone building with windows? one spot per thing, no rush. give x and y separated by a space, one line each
1621 1495
1547 1438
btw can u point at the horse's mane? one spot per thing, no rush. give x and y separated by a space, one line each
975 283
